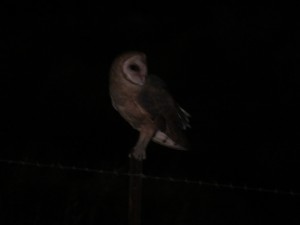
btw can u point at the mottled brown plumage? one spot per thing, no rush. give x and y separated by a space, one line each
145 104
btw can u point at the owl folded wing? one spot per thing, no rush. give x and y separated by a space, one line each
170 118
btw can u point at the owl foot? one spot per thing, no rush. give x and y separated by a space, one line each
138 154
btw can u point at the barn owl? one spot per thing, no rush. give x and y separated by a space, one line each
143 101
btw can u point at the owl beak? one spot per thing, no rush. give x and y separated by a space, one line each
143 80
140 80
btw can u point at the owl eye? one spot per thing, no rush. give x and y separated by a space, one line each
134 67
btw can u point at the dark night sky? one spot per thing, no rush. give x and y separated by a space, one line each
232 66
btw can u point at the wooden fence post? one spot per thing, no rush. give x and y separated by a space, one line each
135 191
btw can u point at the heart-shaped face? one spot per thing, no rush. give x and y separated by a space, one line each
135 69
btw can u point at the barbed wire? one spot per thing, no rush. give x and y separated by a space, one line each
157 178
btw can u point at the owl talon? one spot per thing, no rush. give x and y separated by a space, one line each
139 155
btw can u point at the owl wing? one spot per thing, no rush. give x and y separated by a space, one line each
170 118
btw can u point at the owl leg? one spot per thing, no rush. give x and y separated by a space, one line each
139 150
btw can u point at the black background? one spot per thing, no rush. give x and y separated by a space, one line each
233 66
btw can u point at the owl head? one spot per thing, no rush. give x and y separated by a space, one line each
131 66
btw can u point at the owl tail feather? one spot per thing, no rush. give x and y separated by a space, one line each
162 139
184 117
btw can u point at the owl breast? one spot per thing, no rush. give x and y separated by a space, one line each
130 110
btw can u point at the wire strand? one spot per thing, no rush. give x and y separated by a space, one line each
157 178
